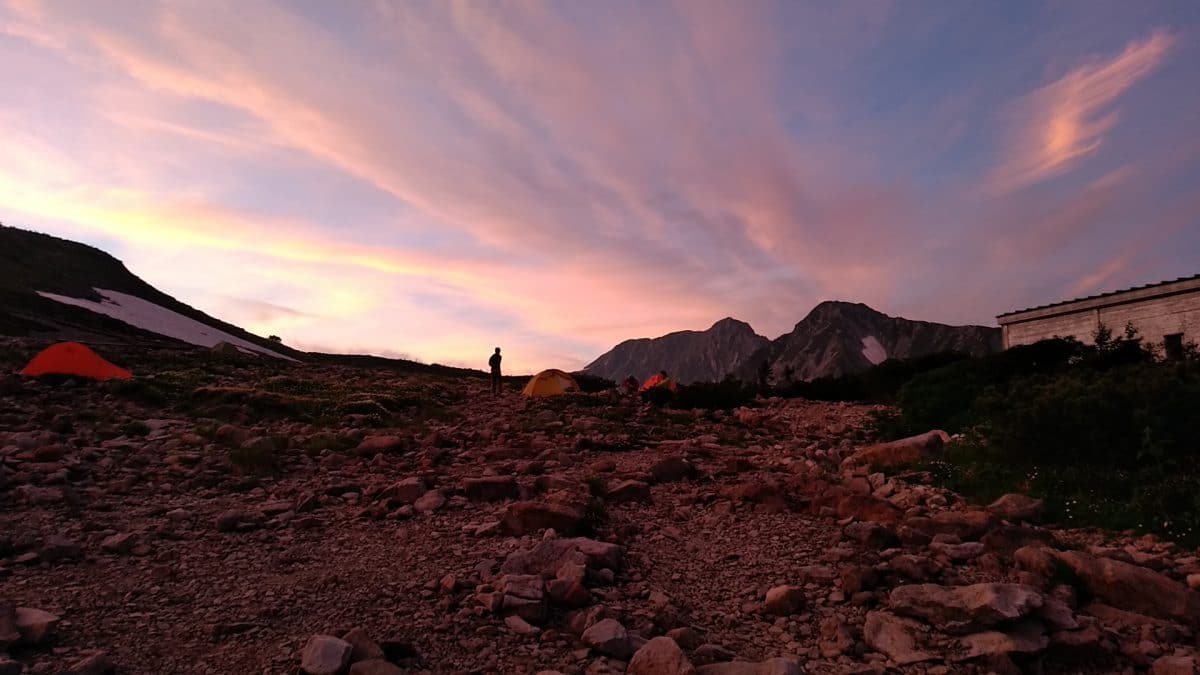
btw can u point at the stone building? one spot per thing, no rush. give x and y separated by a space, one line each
1166 314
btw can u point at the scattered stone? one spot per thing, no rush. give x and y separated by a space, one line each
36 627
239 520
1017 507
660 656
610 638
491 488
903 452
1133 588
525 517
57 548
430 501
377 444
687 638
776 666
784 600
9 634
836 638
119 543
895 637
965 608
868 508
362 647
710 653
629 491
1027 638
1174 665
96 663
375 667
520 626
405 491
672 469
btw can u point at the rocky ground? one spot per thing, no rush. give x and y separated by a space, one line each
225 515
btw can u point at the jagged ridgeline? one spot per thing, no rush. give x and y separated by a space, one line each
836 338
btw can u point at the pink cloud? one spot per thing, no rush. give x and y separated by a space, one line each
1064 122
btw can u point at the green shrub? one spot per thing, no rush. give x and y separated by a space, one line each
253 459
590 384
725 395
1105 434
878 384
135 428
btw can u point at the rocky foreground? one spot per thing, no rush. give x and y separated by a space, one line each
235 516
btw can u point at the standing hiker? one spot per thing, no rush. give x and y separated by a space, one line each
494 364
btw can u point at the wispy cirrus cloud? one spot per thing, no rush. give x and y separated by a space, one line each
435 178
1062 123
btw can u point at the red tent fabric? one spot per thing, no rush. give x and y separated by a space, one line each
72 358
657 380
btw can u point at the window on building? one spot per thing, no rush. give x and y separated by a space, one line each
1173 346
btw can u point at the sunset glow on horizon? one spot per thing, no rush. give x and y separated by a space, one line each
433 179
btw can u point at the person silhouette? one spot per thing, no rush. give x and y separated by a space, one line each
494 364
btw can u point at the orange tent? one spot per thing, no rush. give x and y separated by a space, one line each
657 380
72 358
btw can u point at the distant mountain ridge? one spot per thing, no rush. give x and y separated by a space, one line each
688 356
842 338
835 338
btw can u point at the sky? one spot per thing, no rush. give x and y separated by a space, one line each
431 179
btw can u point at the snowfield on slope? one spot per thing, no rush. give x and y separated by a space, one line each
874 351
146 315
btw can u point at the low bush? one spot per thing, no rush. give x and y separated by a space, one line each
878 384
725 395
590 384
253 459
1105 433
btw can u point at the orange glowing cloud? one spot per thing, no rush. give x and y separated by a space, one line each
1065 121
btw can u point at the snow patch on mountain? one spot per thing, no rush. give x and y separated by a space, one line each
146 315
873 351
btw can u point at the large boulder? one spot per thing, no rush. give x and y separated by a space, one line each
325 655
1027 638
895 637
1016 507
784 600
405 491
37 627
8 626
378 443
900 453
660 656
1175 665
672 469
610 638
963 609
491 488
362 647
1134 588
966 525
1008 538
629 491
525 517
557 557
868 508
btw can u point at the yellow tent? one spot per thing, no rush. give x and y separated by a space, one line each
550 383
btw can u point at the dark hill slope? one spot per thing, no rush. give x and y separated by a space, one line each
688 356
